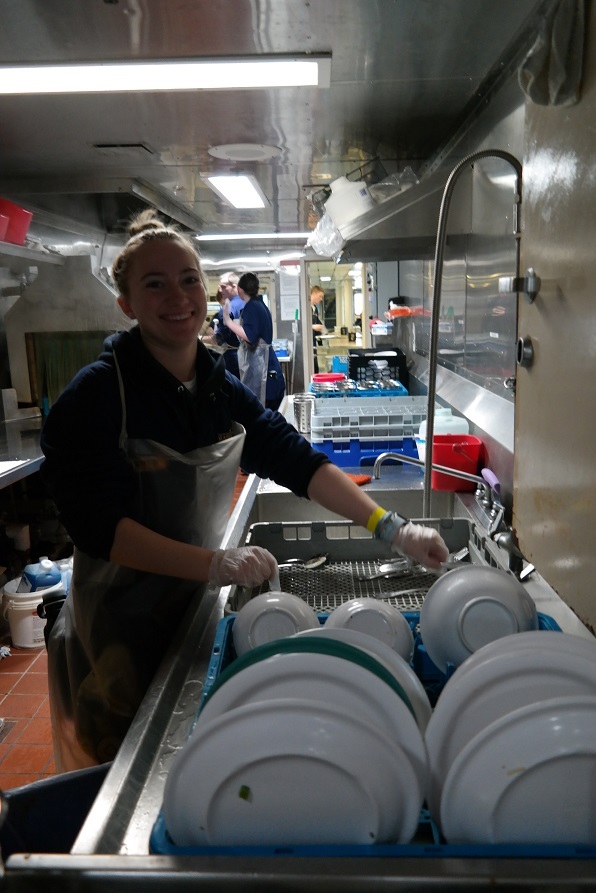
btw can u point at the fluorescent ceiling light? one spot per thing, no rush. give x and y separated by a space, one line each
238 190
251 261
237 237
168 74
325 278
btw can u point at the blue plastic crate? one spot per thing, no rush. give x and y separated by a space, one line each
356 453
398 391
427 842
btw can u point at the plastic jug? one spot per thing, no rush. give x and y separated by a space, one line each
348 200
39 576
445 423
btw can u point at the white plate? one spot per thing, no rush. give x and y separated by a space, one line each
375 618
527 778
324 679
505 675
394 662
469 607
290 772
271 616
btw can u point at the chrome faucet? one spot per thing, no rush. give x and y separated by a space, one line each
438 275
483 489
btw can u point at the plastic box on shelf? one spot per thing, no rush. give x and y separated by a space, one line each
339 364
355 433
427 841
360 366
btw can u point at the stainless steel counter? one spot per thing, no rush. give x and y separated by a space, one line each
112 847
20 453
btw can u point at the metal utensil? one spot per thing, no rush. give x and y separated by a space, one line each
389 570
400 592
455 559
309 564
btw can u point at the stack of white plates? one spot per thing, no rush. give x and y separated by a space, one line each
305 740
512 743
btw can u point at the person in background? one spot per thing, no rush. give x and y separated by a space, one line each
259 367
216 320
218 335
316 296
142 451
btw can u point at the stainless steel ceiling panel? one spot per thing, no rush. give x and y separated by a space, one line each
403 72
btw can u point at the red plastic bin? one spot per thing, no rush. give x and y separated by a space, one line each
461 452
19 220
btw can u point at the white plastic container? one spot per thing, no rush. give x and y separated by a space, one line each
445 423
347 201
20 609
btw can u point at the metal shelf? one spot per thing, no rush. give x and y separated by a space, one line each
25 257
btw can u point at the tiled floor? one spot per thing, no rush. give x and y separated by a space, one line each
26 752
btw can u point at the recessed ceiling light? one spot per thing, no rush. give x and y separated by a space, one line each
238 190
245 152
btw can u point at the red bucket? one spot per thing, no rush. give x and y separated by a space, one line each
462 452
323 377
19 220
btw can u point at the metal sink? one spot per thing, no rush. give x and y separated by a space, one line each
400 489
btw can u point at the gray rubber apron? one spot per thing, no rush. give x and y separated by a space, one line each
117 623
253 363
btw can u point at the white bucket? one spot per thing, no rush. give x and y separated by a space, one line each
20 609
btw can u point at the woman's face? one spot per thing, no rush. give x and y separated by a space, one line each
242 294
165 293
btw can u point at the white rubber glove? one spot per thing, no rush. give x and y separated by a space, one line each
248 566
422 544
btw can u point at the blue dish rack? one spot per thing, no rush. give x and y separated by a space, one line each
427 842
360 454
398 391
354 433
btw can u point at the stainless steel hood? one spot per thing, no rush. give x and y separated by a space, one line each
404 227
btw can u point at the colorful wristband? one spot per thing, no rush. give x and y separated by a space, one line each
388 526
374 519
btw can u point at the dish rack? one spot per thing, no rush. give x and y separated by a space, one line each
354 432
427 841
351 552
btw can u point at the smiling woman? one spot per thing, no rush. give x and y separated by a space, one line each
142 451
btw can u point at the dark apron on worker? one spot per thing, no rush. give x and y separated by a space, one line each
253 364
117 623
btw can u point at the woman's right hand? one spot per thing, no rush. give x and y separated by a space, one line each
247 566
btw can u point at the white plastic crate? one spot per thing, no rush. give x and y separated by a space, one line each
373 419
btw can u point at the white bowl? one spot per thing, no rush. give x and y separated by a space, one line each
290 772
469 607
527 778
506 675
270 616
375 618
